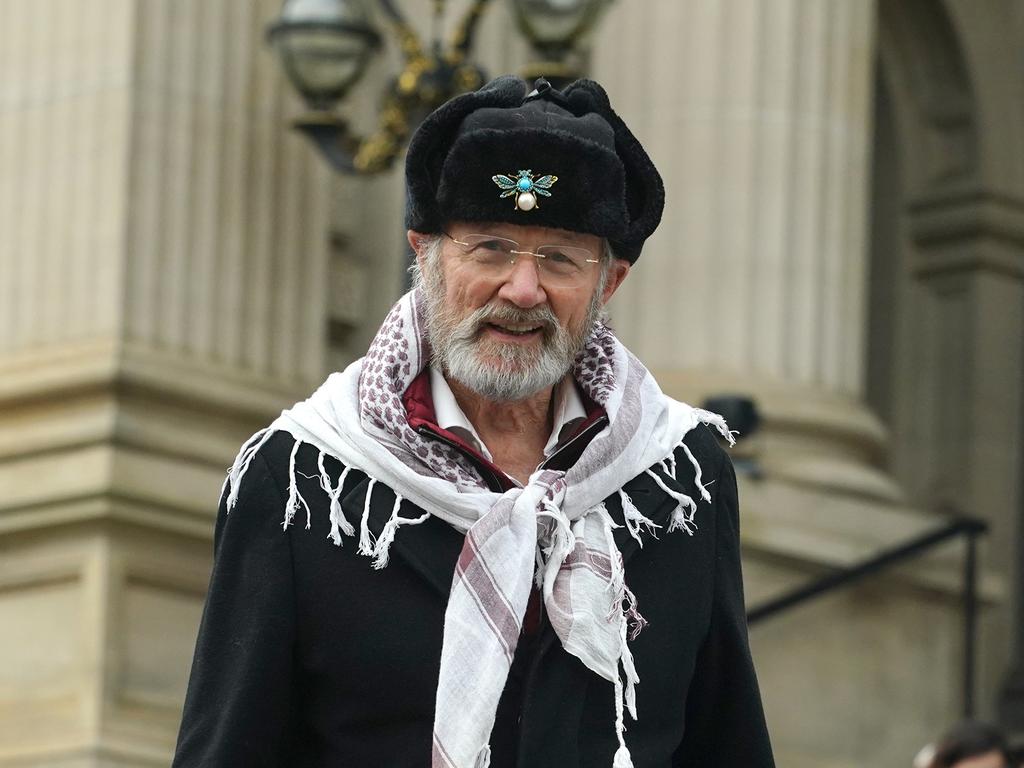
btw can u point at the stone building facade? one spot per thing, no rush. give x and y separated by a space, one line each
845 183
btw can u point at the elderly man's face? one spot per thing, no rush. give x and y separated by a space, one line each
510 332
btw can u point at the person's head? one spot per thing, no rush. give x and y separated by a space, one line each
508 307
525 213
970 744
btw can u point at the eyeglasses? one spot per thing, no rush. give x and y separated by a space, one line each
495 256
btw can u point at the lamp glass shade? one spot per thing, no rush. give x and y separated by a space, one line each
556 22
324 46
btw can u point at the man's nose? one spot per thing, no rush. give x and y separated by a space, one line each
522 287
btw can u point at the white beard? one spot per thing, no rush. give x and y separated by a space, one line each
496 371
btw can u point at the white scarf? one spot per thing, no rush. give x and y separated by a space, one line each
556 530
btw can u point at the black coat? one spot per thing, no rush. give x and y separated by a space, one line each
307 656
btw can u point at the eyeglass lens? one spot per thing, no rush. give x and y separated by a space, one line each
491 251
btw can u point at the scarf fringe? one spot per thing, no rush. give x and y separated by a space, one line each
339 524
387 535
561 539
682 515
623 609
242 462
622 758
715 420
696 473
295 498
365 537
376 547
636 521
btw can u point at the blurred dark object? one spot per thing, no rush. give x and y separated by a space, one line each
968 740
739 411
741 414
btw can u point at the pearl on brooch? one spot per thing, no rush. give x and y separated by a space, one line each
526 201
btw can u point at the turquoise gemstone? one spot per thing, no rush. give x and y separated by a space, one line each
525 184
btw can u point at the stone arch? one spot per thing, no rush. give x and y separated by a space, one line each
946 274
923 71
926 151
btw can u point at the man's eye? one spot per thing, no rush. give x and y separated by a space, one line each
558 257
492 245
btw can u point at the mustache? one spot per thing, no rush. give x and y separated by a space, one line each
507 313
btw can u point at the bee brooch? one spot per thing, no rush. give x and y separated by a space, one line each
525 187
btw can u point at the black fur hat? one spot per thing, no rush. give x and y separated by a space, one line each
550 158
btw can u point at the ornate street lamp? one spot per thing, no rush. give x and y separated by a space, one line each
324 46
557 29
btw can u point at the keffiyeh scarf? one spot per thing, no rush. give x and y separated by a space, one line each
555 532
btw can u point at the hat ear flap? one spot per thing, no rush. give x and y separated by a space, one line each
432 141
645 191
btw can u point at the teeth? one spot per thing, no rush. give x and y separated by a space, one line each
517 330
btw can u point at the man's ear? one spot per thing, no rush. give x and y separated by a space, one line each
616 274
416 241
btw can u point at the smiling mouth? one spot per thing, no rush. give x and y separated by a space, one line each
515 329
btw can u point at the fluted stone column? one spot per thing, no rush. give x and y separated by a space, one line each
163 253
758 116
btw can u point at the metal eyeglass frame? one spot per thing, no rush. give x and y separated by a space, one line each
512 261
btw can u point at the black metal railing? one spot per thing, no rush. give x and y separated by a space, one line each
967 527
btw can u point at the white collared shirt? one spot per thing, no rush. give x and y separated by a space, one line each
567 413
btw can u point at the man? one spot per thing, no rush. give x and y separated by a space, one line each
555 573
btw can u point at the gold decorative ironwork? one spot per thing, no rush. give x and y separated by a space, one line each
430 76
426 81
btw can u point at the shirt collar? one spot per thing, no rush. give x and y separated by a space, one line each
568 411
